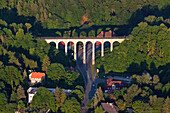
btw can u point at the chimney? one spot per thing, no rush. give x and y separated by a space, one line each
107 102
112 106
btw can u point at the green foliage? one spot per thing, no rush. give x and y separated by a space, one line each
116 93
46 63
143 97
43 100
71 76
71 106
98 97
132 91
13 76
156 103
121 104
146 47
90 104
78 93
140 106
60 97
3 102
28 25
11 108
166 89
166 106
99 110
56 71
21 105
13 97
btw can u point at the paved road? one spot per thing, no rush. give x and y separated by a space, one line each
86 70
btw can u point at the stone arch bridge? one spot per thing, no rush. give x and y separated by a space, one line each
85 40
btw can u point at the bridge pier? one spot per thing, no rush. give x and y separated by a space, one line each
111 46
75 51
65 48
84 52
56 45
102 49
93 53
66 40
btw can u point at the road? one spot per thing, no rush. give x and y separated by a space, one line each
90 81
86 70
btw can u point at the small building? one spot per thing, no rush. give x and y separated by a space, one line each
146 73
109 108
111 85
36 77
33 90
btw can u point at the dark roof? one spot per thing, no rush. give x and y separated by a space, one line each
107 108
33 91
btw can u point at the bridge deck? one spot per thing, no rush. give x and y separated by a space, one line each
116 37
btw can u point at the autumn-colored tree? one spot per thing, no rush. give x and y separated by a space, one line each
46 63
20 93
60 97
166 105
121 104
98 96
155 79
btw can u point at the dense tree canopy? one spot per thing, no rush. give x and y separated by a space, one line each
43 100
145 23
146 49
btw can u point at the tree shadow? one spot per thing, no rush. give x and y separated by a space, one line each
85 30
140 15
134 68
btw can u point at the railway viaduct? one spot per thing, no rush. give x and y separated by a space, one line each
85 40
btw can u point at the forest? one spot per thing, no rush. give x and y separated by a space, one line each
145 22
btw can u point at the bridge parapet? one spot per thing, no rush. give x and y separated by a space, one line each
84 40
116 37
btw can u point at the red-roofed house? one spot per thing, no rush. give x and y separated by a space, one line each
36 77
111 85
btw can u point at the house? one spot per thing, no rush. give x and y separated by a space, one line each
111 85
33 90
146 73
109 108
36 77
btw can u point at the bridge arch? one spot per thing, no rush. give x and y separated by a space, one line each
61 46
115 44
52 43
107 45
70 47
76 40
